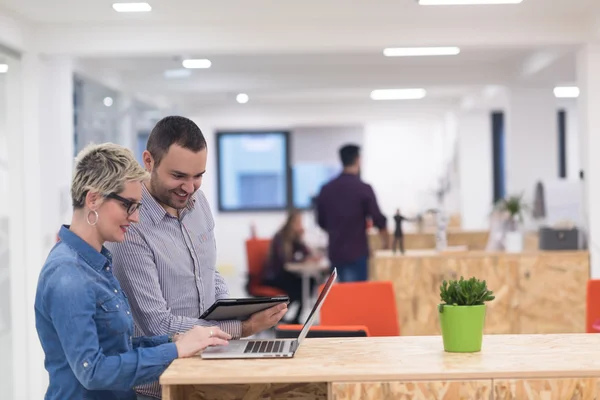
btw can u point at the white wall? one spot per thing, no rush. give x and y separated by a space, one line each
397 161
531 140
400 165
475 169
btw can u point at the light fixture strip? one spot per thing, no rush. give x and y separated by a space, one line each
466 2
132 7
398 94
420 51
196 63
566 92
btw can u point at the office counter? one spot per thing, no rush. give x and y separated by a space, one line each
536 292
509 367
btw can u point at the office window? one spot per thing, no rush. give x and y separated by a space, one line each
308 178
498 155
562 144
253 170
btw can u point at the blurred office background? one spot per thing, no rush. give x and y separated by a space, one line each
510 100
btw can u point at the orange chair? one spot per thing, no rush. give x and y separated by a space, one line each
257 251
290 331
372 304
592 309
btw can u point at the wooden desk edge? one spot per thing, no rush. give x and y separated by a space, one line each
383 377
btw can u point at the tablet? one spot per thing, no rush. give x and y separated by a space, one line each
241 309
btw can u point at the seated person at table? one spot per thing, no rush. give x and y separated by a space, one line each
82 316
288 246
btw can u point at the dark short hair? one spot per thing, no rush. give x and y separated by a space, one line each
348 154
174 130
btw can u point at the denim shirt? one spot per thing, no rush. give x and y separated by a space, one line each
85 327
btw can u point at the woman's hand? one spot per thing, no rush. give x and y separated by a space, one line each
198 338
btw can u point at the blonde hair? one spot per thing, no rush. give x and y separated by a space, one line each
103 168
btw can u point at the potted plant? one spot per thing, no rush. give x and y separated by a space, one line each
513 208
462 314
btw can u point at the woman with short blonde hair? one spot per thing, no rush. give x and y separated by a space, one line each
83 317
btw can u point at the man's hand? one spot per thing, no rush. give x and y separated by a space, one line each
262 320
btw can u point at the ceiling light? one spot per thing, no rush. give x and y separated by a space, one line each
465 2
132 7
198 63
398 94
566 92
242 98
177 73
3 68
108 101
420 51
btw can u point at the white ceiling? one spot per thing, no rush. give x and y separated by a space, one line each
309 11
304 78
282 52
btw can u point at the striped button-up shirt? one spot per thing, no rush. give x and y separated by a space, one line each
167 268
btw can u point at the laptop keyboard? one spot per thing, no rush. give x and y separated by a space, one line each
264 346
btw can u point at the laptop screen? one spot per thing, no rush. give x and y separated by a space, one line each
317 306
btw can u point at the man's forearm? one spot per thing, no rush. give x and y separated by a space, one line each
247 328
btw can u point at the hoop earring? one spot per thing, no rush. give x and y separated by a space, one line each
88 217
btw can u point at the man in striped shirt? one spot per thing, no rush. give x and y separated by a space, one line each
167 263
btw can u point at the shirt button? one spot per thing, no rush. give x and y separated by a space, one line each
116 291
85 364
127 312
108 268
117 306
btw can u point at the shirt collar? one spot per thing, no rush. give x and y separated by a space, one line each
95 259
158 212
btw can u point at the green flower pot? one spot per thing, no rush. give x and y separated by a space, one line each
462 328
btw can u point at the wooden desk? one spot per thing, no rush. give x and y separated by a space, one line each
536 292
509 367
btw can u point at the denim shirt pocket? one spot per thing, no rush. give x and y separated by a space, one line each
111 316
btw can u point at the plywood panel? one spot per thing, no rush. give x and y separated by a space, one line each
474 240
547 389
536 292
552 292
280 391
438 390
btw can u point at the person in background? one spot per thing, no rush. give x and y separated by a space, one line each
167 262
343 206
82 317
398 231
288 246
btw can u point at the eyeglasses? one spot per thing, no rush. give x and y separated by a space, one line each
131 206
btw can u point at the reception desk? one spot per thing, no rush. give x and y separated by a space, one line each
536 292
508 367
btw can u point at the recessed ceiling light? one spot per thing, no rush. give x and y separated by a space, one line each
420 51
242 98
197 63
398 94
3 68
108 101
465 2
566 92
132 7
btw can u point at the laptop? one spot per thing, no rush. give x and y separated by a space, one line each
269 348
